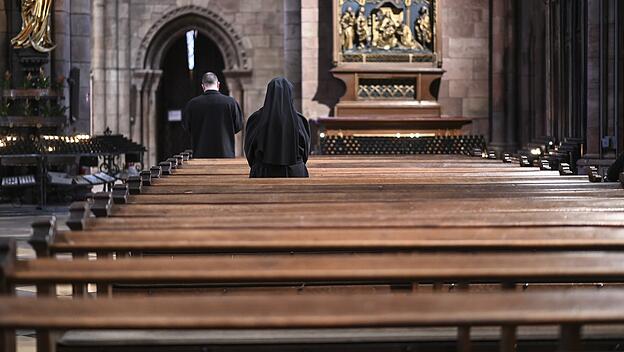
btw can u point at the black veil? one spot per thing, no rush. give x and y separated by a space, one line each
274 132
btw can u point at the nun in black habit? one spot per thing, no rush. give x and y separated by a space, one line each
277 139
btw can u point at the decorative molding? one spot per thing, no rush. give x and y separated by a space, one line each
234 47
378 91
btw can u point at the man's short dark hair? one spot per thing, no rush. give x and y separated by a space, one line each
209 79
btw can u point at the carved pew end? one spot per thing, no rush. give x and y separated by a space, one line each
155 171
477 152
565 170
78 216
165 168
180 159
102 204
622 179
545 165
146 178
507 158
492 155
186 156
120 194
190 153
43 234
594 175
135 184
8 258
174 163
524 161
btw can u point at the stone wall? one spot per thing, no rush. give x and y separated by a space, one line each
320 91
465 49
258 21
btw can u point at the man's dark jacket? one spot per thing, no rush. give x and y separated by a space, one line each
212 119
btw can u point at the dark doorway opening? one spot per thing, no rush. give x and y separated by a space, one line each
179 85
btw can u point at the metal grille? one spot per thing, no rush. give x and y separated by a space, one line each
353 145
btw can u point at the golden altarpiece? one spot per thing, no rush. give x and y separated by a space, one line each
388 54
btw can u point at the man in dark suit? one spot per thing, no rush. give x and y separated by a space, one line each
212 119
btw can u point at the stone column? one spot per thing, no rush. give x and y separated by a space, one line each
138 85
111 64
61 55
3 37
143 130
146 123
292 46
98 62
238 82
236 91
123 60
310 59
593 133
151 117
501 119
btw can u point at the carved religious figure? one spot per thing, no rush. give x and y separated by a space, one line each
363 31
407 38
387 32
36 30
347 29
423 28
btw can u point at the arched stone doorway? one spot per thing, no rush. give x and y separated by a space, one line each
147 72
178 85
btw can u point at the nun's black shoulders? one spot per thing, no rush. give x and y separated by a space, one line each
255 114
306 123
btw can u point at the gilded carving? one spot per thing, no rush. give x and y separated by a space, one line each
36 31
363 29
347 29
424 33
387 32
393 28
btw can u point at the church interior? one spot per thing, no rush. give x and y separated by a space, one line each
465 189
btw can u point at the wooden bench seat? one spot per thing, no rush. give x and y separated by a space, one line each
323 311
328 269
428 191
381 208
341 221
317 239
529 338
570 309
380 196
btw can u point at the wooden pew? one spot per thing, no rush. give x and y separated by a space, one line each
570 310
417 182
48 240
313 208
322 269
358 220
350 240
